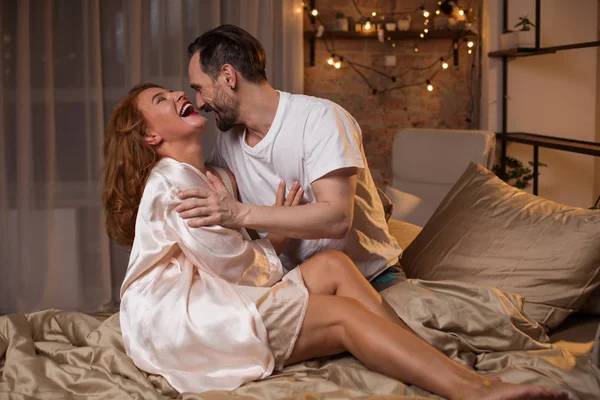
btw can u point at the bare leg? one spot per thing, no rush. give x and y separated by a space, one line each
335 324
332 272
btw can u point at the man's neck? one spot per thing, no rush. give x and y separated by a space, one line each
258 107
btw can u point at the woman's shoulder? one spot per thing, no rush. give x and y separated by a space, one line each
177 174
226 177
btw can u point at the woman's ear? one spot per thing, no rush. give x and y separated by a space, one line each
152 138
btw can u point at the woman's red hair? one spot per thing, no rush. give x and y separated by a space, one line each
128 161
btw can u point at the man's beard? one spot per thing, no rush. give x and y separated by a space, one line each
227 111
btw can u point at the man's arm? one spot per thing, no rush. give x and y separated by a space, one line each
329 217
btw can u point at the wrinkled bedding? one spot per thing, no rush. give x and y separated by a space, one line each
56 354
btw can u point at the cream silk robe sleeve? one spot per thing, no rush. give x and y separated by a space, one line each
183 315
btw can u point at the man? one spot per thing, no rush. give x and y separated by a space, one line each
272 136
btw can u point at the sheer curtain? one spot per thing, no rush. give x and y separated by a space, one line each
63 66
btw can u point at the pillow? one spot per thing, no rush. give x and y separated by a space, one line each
488 233
403 232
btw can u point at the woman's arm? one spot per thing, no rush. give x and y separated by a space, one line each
222 251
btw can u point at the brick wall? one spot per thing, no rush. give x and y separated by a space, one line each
383 115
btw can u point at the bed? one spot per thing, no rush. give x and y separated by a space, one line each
58 354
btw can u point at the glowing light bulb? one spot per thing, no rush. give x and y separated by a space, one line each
426 22
373 14
416 49
426 30
426 14
367 26
338 64
330 61
437 12
298 10
393 44
429 86
439 3
470 44
445 65
470 51
314 12
461 12
422 35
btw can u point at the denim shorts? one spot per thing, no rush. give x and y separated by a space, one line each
388 277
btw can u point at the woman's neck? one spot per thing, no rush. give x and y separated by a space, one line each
189 153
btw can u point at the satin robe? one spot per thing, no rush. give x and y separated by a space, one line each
184 314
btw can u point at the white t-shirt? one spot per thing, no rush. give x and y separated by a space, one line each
309 138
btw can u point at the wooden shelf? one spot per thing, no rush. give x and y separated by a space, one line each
519 52
532 51
393 35
570 145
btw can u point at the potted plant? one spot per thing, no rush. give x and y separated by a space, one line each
341 22
390 26
403 24
524 37
513 172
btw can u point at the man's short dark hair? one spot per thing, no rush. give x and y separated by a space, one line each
230 44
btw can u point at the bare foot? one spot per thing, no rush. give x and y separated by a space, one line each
498 390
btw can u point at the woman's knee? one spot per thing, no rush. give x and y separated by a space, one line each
323 271
333 262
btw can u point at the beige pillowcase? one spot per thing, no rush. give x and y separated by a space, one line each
488 233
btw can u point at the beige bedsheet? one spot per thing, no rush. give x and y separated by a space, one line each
67 355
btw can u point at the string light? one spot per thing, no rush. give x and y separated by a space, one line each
373 14
368 24
298 10
437 12
461 12
470 51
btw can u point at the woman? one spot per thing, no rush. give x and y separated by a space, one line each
206 307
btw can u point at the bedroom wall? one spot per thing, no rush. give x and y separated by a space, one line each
554 94
381 116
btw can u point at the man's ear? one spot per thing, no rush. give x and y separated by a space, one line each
230 75
152 138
